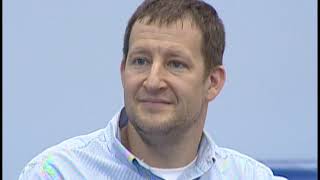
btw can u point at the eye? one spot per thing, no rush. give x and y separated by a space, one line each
139 61
177 65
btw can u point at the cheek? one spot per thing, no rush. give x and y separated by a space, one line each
131 86
190 93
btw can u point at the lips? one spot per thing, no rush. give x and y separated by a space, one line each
155 101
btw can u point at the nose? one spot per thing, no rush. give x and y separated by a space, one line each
155 79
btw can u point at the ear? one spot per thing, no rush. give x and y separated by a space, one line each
122 69
215 82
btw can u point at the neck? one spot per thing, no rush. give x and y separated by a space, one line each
165 151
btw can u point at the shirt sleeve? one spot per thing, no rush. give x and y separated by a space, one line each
279 178
265 173
40 171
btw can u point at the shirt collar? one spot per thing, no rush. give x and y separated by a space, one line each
207 152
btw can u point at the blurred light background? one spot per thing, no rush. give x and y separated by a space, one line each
61 76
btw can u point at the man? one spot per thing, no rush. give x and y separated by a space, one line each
171 69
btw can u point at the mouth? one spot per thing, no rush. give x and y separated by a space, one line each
155 103
159 101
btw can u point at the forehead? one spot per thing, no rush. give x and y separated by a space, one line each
181 33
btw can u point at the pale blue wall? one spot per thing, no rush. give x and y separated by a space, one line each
61 75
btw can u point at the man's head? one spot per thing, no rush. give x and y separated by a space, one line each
202 15
166 77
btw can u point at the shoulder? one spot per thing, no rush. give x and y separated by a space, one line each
66 155
243 165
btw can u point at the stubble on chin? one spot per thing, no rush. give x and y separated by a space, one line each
155 125
159 129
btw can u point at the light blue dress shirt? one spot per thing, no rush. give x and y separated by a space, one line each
100 155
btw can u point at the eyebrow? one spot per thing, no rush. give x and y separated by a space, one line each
168 52
139 50
173 52
171 49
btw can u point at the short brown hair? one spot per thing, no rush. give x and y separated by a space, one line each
202 14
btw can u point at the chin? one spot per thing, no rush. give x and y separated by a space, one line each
156 124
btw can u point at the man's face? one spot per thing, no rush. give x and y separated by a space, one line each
163 78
